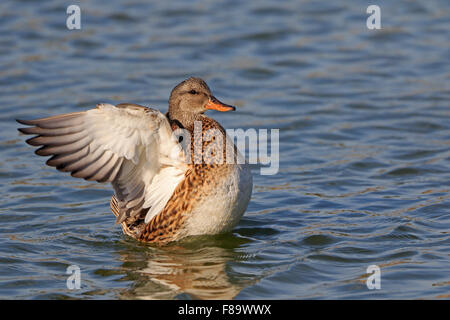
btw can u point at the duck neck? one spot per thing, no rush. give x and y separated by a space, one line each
186 119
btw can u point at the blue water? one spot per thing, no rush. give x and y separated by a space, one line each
364 124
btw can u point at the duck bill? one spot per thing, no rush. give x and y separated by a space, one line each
215 104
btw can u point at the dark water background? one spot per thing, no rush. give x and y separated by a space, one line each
364 125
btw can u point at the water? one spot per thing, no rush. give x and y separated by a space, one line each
364 147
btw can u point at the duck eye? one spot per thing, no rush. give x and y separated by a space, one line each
193 91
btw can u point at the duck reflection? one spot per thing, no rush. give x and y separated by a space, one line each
194 269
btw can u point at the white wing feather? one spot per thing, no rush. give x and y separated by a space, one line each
131 146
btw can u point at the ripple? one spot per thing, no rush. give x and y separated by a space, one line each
319 240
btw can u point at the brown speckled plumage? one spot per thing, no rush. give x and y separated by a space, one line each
168 225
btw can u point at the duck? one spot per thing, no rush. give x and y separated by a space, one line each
174 175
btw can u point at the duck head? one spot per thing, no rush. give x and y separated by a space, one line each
191 98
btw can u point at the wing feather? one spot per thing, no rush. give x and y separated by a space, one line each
48 150
60 121
62 160
128 145
57 140
51 132
112 174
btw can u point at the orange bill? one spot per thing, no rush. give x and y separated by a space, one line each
215 104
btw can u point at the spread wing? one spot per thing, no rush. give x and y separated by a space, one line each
131 146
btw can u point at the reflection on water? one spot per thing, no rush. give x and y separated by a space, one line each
195 272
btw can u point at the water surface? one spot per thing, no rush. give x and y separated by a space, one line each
364 125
